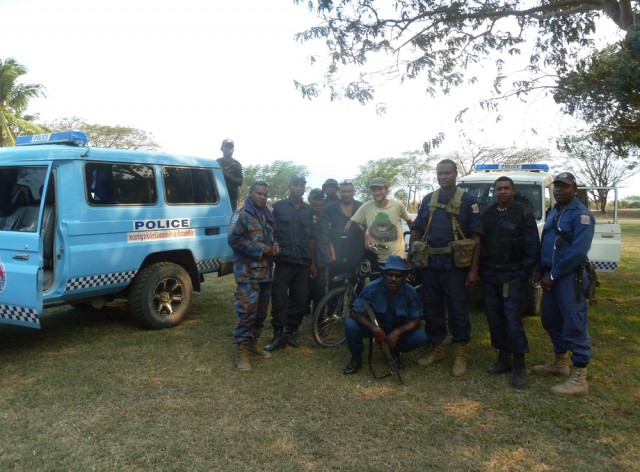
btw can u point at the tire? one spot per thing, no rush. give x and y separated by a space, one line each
327 325
532 301
160 295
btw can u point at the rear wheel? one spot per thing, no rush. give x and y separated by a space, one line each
161 295
327 326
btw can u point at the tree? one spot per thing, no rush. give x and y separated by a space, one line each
444 41
399 172
596 165
121 137
604 91
14 100
275 174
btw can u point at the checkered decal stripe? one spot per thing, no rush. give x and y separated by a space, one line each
18 313
102 280
209 265
604 265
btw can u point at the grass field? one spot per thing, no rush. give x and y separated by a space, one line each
91 391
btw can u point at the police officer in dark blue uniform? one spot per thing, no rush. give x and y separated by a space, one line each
566 240
444 284
509 256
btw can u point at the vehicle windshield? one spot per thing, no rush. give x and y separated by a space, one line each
529 194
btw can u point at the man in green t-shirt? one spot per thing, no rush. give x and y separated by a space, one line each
381 219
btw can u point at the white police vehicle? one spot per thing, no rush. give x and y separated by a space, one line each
534 188
86 226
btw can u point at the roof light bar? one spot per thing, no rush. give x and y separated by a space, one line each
74 138
503 167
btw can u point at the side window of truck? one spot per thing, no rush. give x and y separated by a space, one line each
120 184
189 185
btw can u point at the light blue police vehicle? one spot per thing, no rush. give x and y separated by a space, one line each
86 226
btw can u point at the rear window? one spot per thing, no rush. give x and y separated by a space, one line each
189 185
528 194
20 195
120 184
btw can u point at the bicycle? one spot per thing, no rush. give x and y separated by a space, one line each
327 324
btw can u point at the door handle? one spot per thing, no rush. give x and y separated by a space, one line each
21 257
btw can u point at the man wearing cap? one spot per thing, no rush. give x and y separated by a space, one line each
381 220
232 171
323 248
251 235
510 254
566 240
330 188
347 239
294 266
398 312
449 214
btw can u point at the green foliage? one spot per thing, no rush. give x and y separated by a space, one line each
442 42
14 100
604 91
120 137
413 166
440 39
275 174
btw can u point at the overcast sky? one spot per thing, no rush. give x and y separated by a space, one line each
195 72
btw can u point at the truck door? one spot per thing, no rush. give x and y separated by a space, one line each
607 241
22 190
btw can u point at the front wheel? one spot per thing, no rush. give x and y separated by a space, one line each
327 325
161 295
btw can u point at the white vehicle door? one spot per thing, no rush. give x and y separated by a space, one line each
607 241
21 208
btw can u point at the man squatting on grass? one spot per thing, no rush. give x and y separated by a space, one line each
398 312
251 236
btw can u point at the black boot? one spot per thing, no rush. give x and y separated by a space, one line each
518 379
277 342
354 365
502 365
291 337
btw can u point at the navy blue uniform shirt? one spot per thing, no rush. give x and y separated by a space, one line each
294 231
441 231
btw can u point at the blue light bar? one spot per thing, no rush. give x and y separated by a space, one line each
504 167
75 138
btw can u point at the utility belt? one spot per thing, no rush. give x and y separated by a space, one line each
462 250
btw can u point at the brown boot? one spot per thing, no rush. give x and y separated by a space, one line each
460 361
437 355
559 366
576 384
242 363
256 350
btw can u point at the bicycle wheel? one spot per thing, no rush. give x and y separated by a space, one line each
327 325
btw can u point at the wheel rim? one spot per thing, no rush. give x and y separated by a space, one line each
167 296
330 325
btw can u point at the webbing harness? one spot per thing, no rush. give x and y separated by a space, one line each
453 208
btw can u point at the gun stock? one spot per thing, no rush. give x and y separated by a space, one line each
385 349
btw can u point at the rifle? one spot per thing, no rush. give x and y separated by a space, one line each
385 349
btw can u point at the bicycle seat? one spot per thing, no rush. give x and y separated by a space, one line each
343 277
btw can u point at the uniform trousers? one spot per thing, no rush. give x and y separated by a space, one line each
565 318
355 333
251 304
445 302
504 313
289 292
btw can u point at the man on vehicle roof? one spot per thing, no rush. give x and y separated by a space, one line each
232 171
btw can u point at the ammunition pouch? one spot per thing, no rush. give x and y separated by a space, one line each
463 252
420 252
